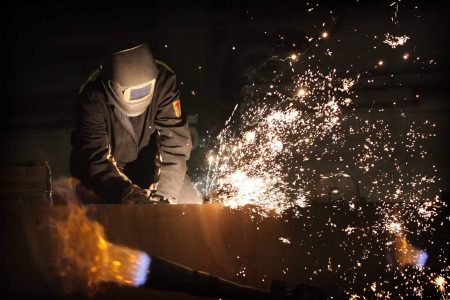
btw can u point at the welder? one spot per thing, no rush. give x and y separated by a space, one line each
131 139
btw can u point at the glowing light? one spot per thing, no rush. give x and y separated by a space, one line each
395 41
276 145
348 83
85 256
422 259
267 157
241 272
440 283
117 263
143 267
284 240
249 136
409 255
301 92
373 287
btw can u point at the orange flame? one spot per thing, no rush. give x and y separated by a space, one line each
85 258
408 254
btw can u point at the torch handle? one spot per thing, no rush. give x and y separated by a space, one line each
166 275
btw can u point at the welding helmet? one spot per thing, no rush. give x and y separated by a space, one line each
129 74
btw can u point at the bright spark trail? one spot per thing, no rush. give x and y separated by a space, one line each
305 125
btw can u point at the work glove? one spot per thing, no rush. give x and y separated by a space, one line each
136 195
161 199
157 196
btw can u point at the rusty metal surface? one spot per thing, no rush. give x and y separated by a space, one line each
208 237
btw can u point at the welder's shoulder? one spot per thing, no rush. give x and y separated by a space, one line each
163 67
166 75
92 94
91 90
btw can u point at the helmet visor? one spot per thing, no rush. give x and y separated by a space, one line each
135 93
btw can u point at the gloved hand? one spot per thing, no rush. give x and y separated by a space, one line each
161 199
140 196
156 196
136 195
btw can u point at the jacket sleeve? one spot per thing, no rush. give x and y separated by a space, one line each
95 149
174 140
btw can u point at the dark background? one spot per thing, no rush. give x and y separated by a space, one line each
49 49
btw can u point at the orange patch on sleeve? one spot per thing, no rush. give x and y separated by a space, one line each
177 108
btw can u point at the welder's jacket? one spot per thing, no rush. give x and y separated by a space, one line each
110 151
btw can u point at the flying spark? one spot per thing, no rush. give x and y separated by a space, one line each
395 41
294 127
284 240
440 283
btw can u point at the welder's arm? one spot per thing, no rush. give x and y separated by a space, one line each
103 174
174 141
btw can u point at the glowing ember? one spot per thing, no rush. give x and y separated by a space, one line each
249 136
440 283
409 255
284 240
253 168
301 92
395 41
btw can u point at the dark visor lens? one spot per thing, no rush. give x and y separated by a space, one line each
140 93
